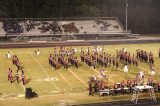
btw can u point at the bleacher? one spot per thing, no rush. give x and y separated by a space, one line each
109 26
59 27
87 27
42 28
91 27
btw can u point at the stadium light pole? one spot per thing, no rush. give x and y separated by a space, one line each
126 15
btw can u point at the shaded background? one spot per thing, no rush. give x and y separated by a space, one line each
143 15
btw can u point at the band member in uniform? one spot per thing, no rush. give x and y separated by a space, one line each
137 54
159 53
115 86
50 59
53 62
151 60
133 60
9 71
141 74
17 76
13 59
88 50
129 59
76 62
117 54
122 87
145 81
11 77
117 64
113 61
23 77
94 63
18 65
82 56
66 63
102 85
90 88
136 62
110 59
105 62
150 81
102 73
55 52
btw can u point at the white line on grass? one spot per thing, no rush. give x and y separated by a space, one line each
124 72
109 78
143 68
24 88
97 72
78 77
127 72
65 79
43 69
4 85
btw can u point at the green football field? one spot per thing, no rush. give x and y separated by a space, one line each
65 85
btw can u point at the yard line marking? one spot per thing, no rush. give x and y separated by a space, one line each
124 72
43 69
4 85
97 71
147 71
65 79
109 78
142 68
78 77
24 88
127 72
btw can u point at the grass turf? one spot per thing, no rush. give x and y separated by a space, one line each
71 82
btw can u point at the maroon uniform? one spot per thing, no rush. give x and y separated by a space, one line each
159 53
9 71
10 76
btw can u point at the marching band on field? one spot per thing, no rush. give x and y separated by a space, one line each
19 76
97 57
64 58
